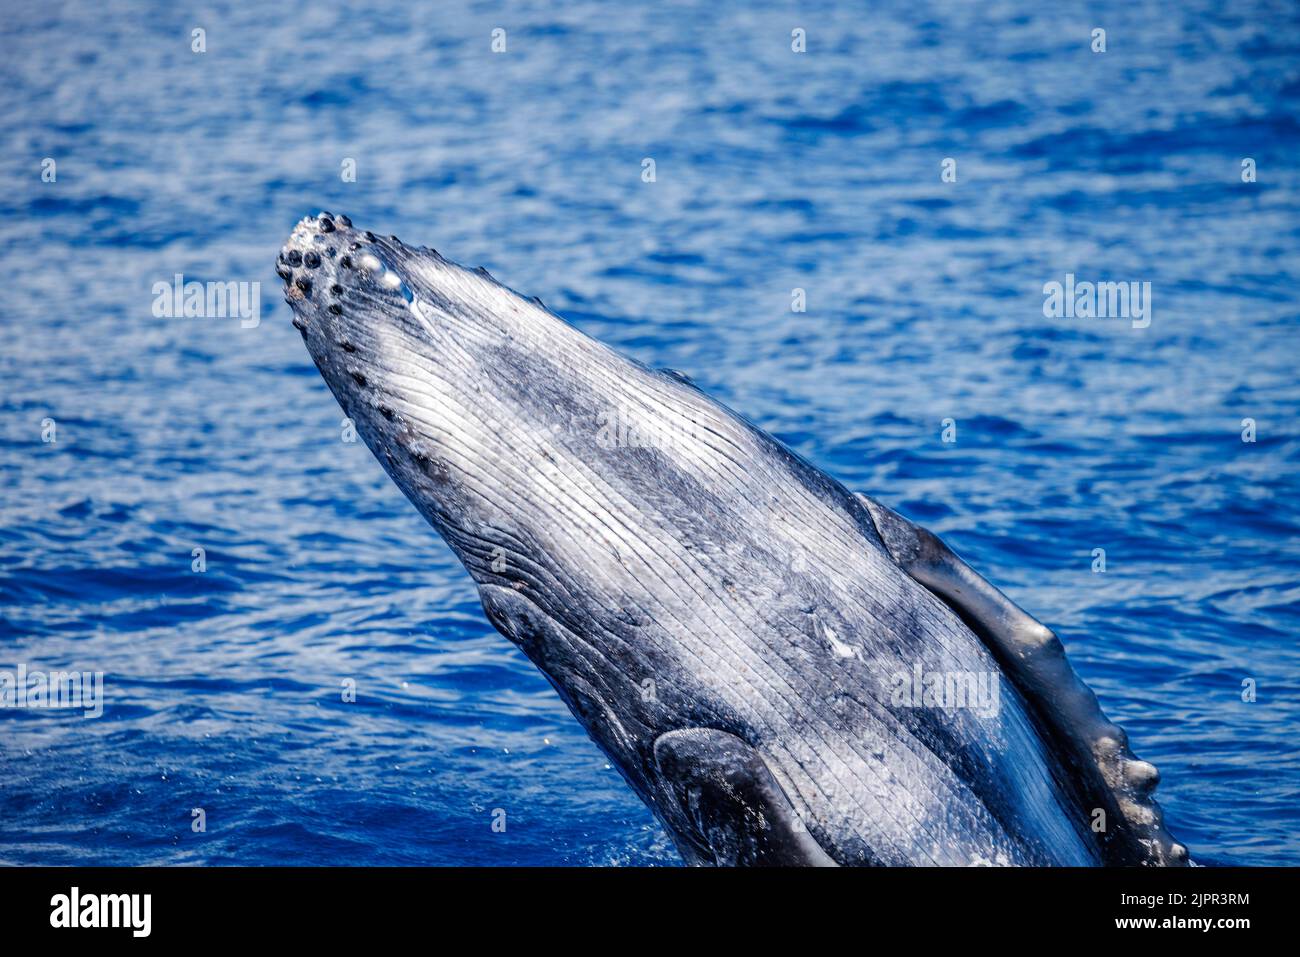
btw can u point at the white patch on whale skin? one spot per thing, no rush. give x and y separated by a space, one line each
305 234
840 649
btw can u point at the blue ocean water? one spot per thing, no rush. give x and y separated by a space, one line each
774 171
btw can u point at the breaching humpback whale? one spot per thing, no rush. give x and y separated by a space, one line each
784 671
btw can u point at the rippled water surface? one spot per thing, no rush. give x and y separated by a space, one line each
775 170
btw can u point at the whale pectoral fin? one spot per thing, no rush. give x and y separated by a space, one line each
737 812
1035 660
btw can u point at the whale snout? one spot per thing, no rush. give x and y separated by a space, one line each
336 275
348 291
312 263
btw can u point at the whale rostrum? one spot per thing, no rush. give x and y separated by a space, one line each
784 671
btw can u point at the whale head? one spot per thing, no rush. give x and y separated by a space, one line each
506 427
